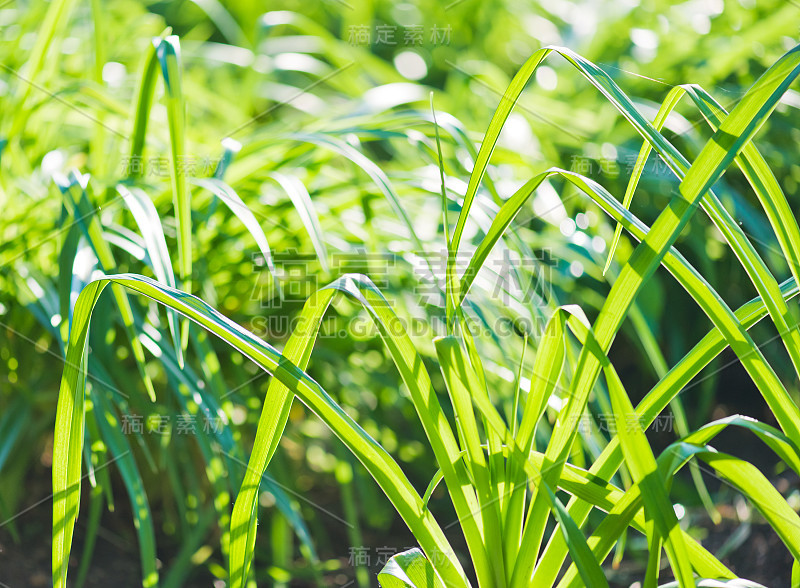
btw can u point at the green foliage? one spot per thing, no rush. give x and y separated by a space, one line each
512 404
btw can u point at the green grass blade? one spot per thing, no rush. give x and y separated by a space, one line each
375 173
237 206
432 485
780 444
68 440
409 364
462 384
507 102
760 176
547 368
168 54
146 216
548 365
409 569
302 202
77 202
749 480
642 465
588 567
142 106
671 100
69 426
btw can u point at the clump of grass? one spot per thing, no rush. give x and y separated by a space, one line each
503 489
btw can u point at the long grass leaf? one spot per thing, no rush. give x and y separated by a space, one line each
168 54
69 429
302 202
146 216
77 202
237 206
